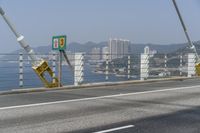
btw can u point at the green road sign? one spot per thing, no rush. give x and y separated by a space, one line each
59 42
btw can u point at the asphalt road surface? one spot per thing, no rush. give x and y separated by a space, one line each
163 107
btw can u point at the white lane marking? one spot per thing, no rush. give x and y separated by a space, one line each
115 129
96 98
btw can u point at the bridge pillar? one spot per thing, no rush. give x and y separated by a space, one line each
144 66
191 64
78 69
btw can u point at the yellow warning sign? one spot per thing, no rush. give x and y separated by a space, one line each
62 42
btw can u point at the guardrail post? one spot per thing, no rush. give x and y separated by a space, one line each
129 66
191 64
78 69
54 67
107 64
144 67
21 72
181 65
165 64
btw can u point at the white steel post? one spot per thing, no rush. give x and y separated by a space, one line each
191 64
129 66
54 67
181 65
78 69
21 72
107 63
165 64
144 67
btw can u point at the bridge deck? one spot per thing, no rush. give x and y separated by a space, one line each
170 106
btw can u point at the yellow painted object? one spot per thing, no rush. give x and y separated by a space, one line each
197 66
41 70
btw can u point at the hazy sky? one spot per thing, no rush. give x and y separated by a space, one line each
141 21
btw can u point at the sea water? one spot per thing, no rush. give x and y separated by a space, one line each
9 76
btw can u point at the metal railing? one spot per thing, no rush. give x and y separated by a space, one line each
16 69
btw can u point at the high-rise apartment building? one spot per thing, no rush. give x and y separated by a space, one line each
150 52
118 48
146 50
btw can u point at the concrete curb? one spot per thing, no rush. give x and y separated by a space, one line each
102 84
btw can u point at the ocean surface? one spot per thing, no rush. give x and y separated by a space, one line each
9 76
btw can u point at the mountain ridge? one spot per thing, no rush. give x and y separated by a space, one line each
135 48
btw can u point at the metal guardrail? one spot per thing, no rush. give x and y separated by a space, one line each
16 71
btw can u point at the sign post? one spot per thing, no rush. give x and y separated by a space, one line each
59 44
60 69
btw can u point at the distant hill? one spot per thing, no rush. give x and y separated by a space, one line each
139 48
135 48
86 47
186 49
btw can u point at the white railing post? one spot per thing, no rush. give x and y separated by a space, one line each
144 66
165 64
78 69
54 66
181 65
107 63
21 72
191 64
129 66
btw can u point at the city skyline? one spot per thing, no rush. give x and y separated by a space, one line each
140 21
